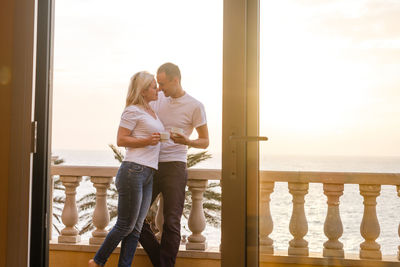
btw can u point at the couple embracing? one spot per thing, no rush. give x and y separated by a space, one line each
151 167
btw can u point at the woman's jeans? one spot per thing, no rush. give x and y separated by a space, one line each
134 184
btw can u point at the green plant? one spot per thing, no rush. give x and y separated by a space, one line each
212 198
58 201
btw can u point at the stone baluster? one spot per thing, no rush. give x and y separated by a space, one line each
298 223
266 223
398 193
369 228
197 220
160 217
333 227
101 216
69 214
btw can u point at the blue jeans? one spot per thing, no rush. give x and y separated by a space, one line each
134 183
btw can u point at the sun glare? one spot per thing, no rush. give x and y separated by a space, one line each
317 78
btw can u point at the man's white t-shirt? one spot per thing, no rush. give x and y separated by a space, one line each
142 125
184 112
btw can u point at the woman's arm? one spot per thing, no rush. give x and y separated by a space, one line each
125 139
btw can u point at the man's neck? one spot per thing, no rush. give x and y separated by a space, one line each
180 92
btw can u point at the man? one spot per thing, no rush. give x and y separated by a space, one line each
176 110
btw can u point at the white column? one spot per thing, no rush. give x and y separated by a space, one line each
69 214
333 227
101 216
160 217
197 220
266 223
298 223
369 228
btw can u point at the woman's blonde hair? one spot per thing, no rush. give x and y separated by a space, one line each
139 82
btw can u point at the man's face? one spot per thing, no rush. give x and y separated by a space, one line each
166 85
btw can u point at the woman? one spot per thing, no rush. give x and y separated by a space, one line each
139 131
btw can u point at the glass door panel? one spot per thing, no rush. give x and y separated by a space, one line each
329 101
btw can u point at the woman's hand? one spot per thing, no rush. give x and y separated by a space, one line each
153 139
125 139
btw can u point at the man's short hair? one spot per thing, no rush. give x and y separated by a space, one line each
171 70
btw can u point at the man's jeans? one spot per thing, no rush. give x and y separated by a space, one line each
134 184
170 180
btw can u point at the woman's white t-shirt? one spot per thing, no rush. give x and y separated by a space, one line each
142 125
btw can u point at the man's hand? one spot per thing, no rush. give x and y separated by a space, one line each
180 139
200 142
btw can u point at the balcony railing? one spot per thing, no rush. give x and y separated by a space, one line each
333 186
101 177
298 185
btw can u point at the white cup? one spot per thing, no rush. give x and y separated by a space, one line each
175 130
164 136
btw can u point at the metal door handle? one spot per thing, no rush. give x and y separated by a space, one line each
248 138
234 142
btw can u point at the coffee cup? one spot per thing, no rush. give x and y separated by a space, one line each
164 136
175 130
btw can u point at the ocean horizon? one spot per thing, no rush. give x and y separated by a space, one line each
379 164
351 207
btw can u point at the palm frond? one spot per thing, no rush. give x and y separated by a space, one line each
58 230
58 161
59 200
213 185
86 198
87 206
57 217
208 194
117 153
86 228
193 159
211 206
57 208
212 219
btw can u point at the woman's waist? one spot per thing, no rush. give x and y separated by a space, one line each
143 158
129 164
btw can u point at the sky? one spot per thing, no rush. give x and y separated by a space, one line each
329 70
330 77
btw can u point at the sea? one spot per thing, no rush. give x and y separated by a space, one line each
351 203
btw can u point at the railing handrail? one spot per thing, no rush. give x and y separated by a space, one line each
273 176
111 171
331 177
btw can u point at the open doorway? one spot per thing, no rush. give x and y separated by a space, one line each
97 48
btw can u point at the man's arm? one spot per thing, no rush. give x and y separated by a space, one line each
201 142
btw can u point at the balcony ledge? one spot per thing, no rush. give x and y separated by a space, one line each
84 246
280 258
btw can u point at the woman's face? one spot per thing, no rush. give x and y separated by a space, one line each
151 93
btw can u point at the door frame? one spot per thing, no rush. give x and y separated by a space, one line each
240 118
240 160
40 219
20 56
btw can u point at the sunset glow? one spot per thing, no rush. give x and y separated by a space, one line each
330 70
